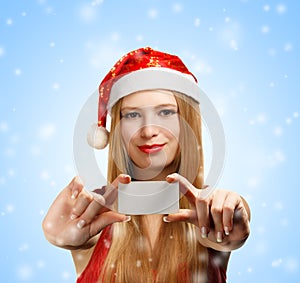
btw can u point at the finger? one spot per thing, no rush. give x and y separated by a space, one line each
185 186
187 215
231 202
82 202
216 210
122 178
75 187
111 194
92 210
202 208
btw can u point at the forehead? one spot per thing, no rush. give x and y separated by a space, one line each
148 97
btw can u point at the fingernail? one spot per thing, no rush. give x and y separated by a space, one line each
203 232
219 237
226 230
171 177
127 219
74 195
73 216
165 219
80 223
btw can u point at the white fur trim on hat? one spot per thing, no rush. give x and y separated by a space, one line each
154 78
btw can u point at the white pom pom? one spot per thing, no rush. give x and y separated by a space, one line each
97 137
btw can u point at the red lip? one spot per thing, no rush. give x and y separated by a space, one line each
153 148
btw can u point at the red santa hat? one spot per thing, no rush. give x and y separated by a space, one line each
142 69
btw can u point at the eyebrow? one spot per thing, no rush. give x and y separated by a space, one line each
128 108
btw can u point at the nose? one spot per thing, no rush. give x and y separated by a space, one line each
149 128
148 131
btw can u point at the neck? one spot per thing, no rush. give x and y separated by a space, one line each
152 174
152 225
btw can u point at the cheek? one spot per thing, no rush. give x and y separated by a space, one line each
128 132
174 130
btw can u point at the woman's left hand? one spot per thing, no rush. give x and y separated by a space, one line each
221 216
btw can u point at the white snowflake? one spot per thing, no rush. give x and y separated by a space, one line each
139 38
272 52
10 152
281 9
278 205
25 272
3 126
10 208
18 72
276 262
2 51
272 84
202 67
253 182
261 118
115 37
288 47
56 86
87 13
265 29
2 181
35 150
45 175
276 158
177 8
278 131
288 120
24 247
66 275
266 8
291 265
96 2
261 230
40 264
197 22
47 131
9 22
284 222
152 13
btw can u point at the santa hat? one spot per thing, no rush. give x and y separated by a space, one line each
142 69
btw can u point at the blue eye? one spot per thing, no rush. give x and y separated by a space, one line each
131 115
167 112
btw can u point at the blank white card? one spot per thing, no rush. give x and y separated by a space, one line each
148 197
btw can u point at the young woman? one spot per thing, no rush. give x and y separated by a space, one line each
155 134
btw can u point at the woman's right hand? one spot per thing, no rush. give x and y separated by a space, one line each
76 216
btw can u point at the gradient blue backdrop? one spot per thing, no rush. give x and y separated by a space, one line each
245 54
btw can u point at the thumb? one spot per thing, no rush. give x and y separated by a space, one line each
105 219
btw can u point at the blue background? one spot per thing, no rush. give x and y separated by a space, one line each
245 54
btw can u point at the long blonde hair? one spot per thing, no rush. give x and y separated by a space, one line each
177 254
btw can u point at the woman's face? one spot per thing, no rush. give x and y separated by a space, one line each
150 128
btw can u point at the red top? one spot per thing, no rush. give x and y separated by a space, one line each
216 271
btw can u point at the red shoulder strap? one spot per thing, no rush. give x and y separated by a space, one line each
92 271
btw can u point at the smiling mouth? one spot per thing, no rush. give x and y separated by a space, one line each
151 148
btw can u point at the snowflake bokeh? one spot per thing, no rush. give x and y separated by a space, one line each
245 55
